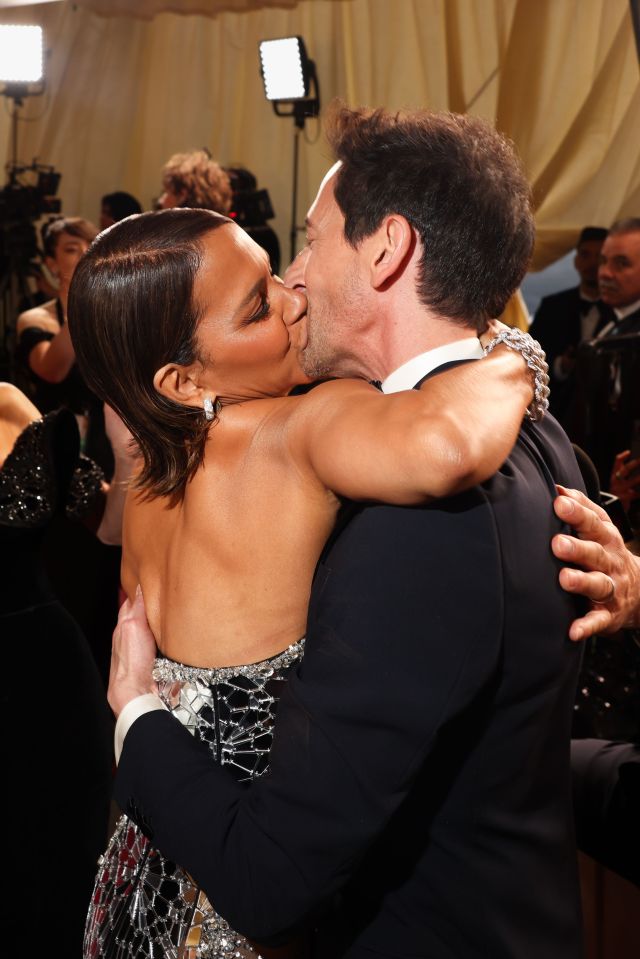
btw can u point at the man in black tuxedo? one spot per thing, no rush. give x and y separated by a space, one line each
607 409
419 798
564 320
606 775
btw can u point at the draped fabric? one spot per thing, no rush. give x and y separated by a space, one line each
560 77
147 9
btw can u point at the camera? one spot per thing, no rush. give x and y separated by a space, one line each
251 208
21 204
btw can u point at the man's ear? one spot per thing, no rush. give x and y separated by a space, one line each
392 245
180 384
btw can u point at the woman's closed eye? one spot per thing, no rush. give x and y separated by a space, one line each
263 312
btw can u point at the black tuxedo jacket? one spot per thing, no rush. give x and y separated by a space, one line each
419 798
557 327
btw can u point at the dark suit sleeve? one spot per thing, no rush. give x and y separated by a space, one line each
392 656
606 799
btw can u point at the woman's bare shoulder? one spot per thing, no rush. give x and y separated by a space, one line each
328 400
15 407
332 394
44 316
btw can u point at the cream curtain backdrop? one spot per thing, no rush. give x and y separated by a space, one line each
560 77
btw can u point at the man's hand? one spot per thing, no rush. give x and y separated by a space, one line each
610 577
132 655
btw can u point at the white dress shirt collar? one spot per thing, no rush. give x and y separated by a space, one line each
411 372
624 311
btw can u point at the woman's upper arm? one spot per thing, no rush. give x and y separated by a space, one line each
453 433
364 445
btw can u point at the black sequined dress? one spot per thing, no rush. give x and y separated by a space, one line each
57 728
144 905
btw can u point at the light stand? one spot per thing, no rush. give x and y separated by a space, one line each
290 77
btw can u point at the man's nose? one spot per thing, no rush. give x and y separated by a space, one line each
296 305
294 274
604 272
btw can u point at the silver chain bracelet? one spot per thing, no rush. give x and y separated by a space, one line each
533 355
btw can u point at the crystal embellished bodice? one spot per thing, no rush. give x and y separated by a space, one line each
143 904
43 474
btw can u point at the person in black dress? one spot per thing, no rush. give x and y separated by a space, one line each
57 761
48 360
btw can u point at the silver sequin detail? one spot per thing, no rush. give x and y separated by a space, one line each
28 490
85 486
166 670
143 905
27 495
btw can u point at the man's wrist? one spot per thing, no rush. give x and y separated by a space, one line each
135 708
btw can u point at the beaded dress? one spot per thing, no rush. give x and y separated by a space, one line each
143 905
56 753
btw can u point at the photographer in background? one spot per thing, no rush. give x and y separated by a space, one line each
195 180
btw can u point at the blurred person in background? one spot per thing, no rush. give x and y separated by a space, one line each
195 180
116 206
565 319
58 760
44 345
606 416
84 572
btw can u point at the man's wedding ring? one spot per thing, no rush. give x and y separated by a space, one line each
607 599
619 475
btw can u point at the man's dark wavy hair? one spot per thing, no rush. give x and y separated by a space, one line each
131 311
460 185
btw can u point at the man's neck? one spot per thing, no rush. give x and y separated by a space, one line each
403 337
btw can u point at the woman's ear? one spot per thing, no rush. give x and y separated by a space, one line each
392 245
180 384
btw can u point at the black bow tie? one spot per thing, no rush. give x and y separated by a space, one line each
587 305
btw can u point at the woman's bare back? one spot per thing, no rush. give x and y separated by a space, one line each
226 573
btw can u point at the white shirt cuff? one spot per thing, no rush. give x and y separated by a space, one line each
133 710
